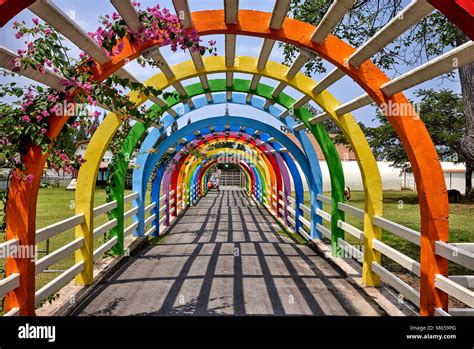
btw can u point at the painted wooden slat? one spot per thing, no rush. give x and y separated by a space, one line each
149 219
128 13
59 227
305 222
58 282
105 227
398 229
150 207
461 311
454 254
395 255
291 210
13 312
357 212
56 18
50 259
441 312
279 14
467 246
323 214
454 289
353 104
323 230
49 78
130 213
184 13
462 55
105 208
98 252
130 197
330 20
358 234
9 283
464 280
305 209
325 199
304 234
151 231
400 23
130 228
406 290
163 197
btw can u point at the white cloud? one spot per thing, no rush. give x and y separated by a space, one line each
72 14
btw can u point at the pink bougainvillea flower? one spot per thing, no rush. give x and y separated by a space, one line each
41 69
29 178
35 21
26 118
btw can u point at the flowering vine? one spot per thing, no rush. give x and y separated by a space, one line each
25 121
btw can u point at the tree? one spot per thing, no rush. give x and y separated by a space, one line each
443 113
428 38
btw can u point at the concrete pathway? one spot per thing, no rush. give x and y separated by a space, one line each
225 257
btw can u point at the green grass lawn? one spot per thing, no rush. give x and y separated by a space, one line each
54 205
402 207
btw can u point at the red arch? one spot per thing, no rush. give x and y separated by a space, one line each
269 157
242 164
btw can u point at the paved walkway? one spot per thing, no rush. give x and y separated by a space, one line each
224 256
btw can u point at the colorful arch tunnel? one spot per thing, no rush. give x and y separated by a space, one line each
142 174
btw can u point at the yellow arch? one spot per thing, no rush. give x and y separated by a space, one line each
367 163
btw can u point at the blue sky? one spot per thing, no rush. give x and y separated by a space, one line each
86 12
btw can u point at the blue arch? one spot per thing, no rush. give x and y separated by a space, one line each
142 174
237 98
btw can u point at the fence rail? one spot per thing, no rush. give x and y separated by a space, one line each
459 286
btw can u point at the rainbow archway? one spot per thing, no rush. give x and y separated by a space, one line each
272 27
